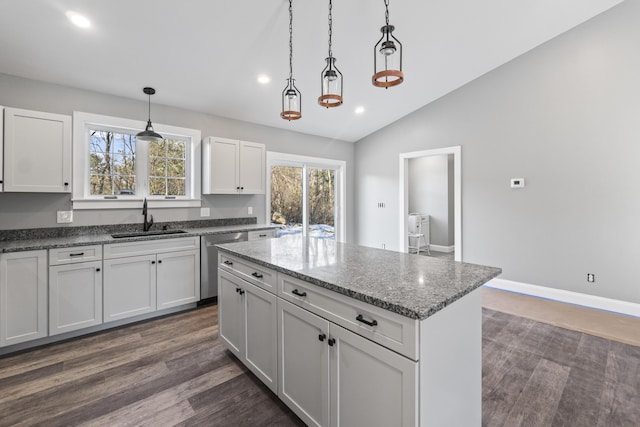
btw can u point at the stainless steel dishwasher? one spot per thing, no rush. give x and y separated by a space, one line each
209 263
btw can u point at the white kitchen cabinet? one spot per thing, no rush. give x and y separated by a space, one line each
75 296
23 296
303 371
144 276
331 376
364 377
247 324
233 167
37 151
129 287
178 280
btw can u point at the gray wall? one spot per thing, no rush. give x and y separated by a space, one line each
39 210
566 117
430 191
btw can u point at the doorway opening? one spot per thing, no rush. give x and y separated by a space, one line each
406 182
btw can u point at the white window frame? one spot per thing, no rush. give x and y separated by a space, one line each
81 199
306 162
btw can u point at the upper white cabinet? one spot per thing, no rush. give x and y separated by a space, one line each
37 151
23 296
232 167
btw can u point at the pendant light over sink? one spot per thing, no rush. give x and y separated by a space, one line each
148 134
291 96
331 95
387 56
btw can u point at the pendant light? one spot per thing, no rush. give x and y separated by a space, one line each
291 96
331 77
387 56
148 134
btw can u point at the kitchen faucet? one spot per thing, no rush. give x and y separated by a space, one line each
147 223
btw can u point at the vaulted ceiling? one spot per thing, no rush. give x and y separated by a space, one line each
205 55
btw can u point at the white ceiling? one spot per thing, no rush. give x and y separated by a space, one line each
205 55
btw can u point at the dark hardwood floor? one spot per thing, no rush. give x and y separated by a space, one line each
174 371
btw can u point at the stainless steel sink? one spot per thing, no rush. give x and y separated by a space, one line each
146 233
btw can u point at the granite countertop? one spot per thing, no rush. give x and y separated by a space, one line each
411 285
27 240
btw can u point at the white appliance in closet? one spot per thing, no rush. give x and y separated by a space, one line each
418 233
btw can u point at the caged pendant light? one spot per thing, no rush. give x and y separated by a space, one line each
148 134
331 77
387 56
291 96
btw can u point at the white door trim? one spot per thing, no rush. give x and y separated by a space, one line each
457 194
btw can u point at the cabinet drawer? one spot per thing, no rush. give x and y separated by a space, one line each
262 234
396 332
260 276
126 249
75 254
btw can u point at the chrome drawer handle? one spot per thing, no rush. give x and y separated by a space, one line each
366 322
297 292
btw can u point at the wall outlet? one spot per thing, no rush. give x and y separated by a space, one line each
205 212
65 217
250 210
381 205
384 246
517 182
591 278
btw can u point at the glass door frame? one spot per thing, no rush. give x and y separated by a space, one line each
306 162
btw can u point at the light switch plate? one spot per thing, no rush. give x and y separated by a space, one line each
65 217
517 182
250 210
205 212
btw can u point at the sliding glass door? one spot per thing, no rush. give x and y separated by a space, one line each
305 196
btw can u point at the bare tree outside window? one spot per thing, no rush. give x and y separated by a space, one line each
112 163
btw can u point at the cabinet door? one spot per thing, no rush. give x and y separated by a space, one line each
23 296
178 278
370 385
231 312
37 150
129 287
75 296
221 171
303 354
261 348
252 168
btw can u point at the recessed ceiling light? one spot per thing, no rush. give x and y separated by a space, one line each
263 79
359 109
78 20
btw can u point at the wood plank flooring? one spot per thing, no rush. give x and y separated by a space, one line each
174 371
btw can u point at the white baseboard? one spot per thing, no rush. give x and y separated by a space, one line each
591 301
439 248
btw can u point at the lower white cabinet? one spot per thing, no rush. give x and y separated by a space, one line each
129 287
178 280
247 324
142 277
23 296
331 376
75 296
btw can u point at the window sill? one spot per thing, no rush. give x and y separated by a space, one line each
134 203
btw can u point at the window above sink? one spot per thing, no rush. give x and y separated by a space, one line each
113 170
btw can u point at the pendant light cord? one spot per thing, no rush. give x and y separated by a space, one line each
290 41
386 13
330 27
149 116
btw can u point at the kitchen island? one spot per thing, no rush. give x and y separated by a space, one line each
348 335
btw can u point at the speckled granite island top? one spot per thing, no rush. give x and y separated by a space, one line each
411 285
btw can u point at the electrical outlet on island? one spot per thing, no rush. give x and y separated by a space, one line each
64 217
